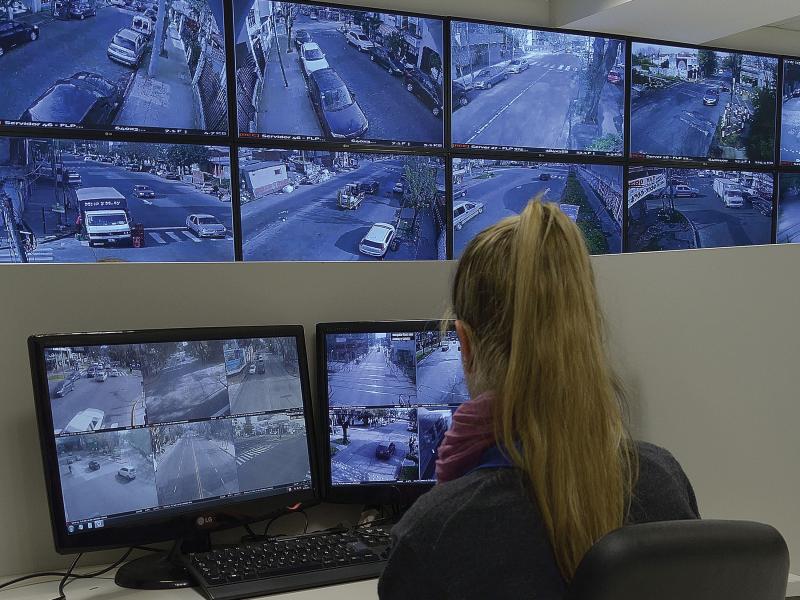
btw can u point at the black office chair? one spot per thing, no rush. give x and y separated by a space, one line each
685 560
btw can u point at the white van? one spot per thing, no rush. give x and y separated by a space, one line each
104 212
464 211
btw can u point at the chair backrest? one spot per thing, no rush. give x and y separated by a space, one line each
685 560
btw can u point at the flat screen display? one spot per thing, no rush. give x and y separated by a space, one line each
789 209
790 115
78 201
310 72
341 206
156 427
486 191
678 209
391 398
516 88
701 104
121 65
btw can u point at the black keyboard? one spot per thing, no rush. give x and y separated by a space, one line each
291 563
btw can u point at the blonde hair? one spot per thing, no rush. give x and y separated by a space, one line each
524 291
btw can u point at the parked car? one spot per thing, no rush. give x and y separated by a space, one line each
683 191
81 10
462 94
382 57
312 58
94 465
151 14
301 36
359 40
101 376
711 97
14 33
426 89
518 65
65 387
340 115
761 205
369 187
143 191
464 211
74 178
118 3
85 99
398 188
89 419
378 240
127 472
169 176
127 47
252 369
544 176
614 76
115 373
384 451
203 225
444 347
488 77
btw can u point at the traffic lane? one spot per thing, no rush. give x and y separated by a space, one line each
176 476
268 391
521 92
60 51
440 378
360 453
116 397
393 112
198 394
216 468
285 462
675 121
371 383
790 130
789 219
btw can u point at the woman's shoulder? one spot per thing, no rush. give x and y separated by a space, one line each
663 491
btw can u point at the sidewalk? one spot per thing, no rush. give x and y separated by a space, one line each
165 100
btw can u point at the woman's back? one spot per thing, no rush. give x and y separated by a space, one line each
481 535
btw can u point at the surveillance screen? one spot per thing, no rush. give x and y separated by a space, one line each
789 209
790 116
390 399
161 425
701 104
515 88
306 72
79 201
677 209
114 65
341 206
486 191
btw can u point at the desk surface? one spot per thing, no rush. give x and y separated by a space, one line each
104 588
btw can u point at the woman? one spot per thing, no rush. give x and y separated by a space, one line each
538 465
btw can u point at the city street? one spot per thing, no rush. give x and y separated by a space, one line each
373 381
440 377
393 113
357 462
789 214
196 466
120 398
790 131
674 122
103 492
433 424
707 222
188 390
268 460
308 224
275 389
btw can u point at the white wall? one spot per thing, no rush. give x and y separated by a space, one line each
708 341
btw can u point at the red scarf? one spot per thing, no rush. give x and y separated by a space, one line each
470 434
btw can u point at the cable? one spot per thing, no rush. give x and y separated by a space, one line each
66 577
288 512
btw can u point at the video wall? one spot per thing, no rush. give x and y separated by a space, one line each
255 130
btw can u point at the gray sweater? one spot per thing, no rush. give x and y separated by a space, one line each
480 536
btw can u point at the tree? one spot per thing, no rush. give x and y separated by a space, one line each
603 57
761 141
344 418
182 155
734 63
708 62
420 188
394 43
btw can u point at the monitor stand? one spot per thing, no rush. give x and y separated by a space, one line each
158 570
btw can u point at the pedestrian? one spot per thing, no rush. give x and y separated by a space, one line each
70 469
542 441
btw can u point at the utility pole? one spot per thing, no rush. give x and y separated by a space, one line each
159 39
7 213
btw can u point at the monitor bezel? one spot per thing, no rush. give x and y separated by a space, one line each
373 493
179 522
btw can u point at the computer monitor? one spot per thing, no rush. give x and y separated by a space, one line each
160 434
387 393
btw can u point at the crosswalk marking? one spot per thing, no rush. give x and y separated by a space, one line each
157 237
252 453
173 236
38 255
191 236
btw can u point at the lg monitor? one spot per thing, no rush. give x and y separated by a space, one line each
338 74
387 393
526 89
693 103
163 434
121 67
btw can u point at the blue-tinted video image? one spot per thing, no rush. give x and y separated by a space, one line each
789 209
77 201
341 206
520 88
690 103
790 113
676 209
486 191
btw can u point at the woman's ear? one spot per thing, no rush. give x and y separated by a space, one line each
466 348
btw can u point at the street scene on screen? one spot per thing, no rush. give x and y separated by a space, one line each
432 423
440 373
676 209
341 206
69 201
486 191
520 88
116 65
700 103
790 115
335 73
789 209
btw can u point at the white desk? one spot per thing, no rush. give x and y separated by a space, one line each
105 589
